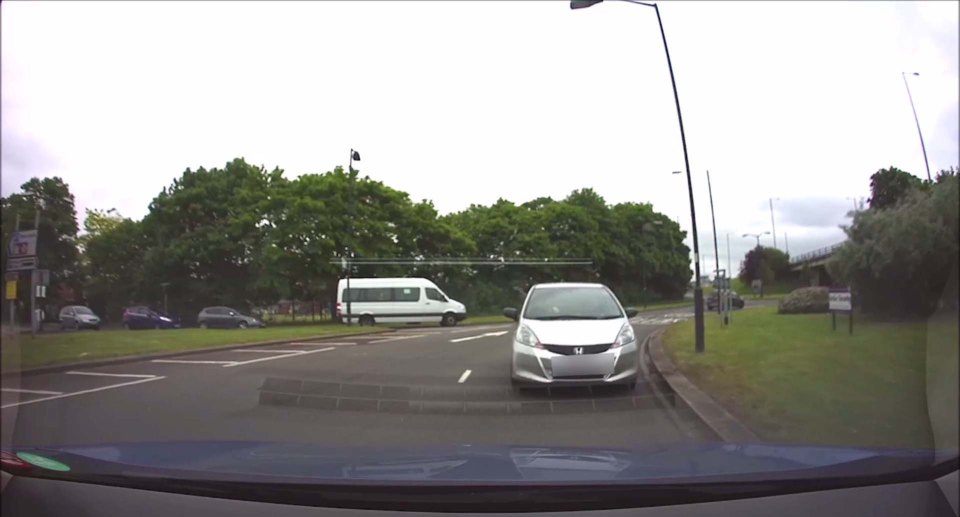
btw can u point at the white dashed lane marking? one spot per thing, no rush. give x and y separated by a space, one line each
101 374
252 351
398 338
488 334
184 361
464 377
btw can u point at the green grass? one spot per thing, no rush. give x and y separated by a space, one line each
66 347
790 378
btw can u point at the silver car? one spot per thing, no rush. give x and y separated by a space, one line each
571 333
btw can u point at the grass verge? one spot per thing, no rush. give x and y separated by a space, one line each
790 378
25 352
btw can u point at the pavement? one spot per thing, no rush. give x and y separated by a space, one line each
415 386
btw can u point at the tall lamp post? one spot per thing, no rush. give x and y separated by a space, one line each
773 224
716 252
915 119
759 257
698 289
354 155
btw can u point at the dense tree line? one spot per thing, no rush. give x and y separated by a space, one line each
245 236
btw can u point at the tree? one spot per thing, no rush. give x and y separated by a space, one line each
897 259
113 252
889 186
769 264
57 236
207 235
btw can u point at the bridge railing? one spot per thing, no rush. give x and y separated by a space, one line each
819 253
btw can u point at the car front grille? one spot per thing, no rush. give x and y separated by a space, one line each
570 349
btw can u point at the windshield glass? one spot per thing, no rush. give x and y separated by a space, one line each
503 242
571 303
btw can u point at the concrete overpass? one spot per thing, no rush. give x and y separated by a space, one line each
814 264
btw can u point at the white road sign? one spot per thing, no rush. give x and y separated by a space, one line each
840 301
21 264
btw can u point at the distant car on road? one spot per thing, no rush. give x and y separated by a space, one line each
226 318
78 317
143 317
735 301
572 333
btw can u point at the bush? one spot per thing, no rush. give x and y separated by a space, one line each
805 300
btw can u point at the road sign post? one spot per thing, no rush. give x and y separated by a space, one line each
841 300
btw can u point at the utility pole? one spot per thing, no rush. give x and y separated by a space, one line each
786 242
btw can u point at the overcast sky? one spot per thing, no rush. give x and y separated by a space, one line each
466 102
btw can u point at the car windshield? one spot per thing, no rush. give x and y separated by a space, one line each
519 243
571 303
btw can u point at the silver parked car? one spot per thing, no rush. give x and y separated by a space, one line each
78 317
571 333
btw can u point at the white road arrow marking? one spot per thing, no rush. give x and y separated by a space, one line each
488 334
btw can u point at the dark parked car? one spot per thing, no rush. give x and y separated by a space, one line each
735 301
226 318
143 317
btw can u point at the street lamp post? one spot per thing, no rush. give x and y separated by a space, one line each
698 289
716 252
354 155
915 119
773 224
759 257
163 286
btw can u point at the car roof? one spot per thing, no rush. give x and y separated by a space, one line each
552 285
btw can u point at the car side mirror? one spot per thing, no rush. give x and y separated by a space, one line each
511 313
631 312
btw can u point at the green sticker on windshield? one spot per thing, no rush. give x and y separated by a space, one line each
42 462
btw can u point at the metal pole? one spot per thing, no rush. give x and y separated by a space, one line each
350 237
33 281
698 289
786 242
773 224
915 119
13 303
728 255
713 219
760 264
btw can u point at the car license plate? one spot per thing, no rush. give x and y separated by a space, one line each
591 364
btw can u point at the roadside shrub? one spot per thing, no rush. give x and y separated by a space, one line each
805 300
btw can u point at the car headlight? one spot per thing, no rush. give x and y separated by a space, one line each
626 336
525 336
168 320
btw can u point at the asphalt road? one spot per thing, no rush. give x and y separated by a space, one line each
414 387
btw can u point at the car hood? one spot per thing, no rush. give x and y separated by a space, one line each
576 332
270 461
